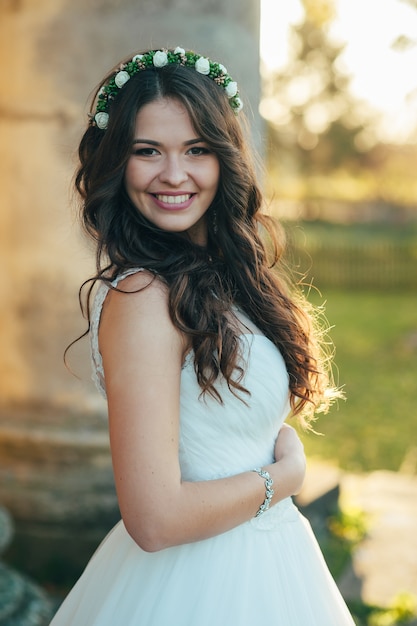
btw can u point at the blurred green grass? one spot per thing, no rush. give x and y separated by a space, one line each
375 335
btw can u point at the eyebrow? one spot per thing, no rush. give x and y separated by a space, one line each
151 142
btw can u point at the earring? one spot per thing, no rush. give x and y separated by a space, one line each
214 222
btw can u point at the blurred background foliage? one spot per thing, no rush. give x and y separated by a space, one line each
323 142
348 200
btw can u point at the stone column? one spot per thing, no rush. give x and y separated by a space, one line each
52 53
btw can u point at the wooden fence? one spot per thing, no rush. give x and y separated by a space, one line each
358 265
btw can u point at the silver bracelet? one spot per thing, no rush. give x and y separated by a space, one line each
269 492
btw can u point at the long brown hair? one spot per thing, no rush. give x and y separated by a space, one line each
236 267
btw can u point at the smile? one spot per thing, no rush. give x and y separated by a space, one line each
173 199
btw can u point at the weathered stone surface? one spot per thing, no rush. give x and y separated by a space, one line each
56 479
6 529
21 602
55 468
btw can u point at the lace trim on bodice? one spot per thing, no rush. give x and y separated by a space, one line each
96 360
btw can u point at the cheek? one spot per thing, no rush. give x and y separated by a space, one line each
128 176
215 175
136 180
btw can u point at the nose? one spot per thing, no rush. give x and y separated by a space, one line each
173 172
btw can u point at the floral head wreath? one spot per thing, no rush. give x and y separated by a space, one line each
159 58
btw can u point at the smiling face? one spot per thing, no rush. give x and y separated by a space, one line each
171 175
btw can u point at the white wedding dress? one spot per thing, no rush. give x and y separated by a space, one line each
268 570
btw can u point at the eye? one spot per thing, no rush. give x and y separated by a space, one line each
146 152
198 151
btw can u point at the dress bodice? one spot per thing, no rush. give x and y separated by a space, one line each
218 440
222 439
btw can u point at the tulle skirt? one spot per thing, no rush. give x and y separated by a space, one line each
269 570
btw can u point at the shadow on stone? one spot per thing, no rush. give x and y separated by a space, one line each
56 480
21 601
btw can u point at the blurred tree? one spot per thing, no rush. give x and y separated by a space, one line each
313 121
404 42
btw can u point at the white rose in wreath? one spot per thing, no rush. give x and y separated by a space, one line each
231 89
101 120
203 66
179 50
121 78
160 58
239 105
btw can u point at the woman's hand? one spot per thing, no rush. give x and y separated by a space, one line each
289 452
288 443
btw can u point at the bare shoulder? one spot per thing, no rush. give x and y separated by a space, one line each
138 311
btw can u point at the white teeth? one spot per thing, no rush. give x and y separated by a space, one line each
173 199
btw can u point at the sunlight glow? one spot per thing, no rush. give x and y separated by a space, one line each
383 77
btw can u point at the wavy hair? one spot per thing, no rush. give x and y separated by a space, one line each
236 267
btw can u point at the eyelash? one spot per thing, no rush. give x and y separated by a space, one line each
200 150
145 151
149 152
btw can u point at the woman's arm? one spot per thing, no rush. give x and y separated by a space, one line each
142 356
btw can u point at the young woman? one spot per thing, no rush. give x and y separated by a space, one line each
202 351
